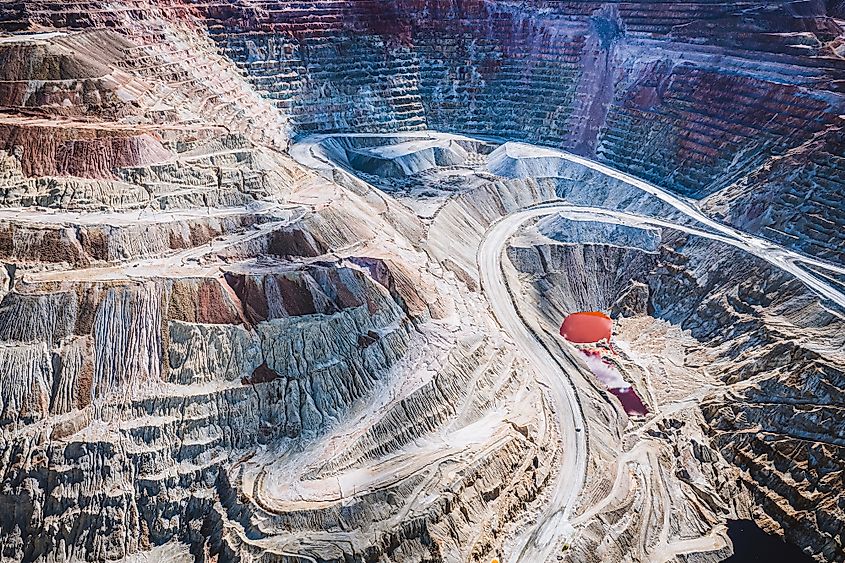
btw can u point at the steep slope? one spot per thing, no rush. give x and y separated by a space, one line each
224 342
691 96
191 323
716 333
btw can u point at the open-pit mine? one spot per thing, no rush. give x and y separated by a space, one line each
371 281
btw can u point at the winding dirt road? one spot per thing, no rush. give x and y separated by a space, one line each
538 543
540 540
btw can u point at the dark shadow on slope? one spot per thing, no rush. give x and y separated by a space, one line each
752 545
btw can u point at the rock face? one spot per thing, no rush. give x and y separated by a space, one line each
222 341
795 199
711 335
766 334
692 96
122 364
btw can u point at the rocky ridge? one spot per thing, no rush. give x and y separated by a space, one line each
221 343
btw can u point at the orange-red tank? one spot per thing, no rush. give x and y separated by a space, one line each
586 327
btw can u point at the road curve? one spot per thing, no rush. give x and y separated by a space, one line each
540 540
772 252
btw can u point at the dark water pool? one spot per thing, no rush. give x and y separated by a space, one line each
607 373
752 545
631 402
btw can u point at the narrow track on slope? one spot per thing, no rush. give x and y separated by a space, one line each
540 540
553 527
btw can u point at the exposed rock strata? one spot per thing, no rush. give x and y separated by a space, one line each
771 345
212 352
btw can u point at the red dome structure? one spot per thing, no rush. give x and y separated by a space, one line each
586 327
